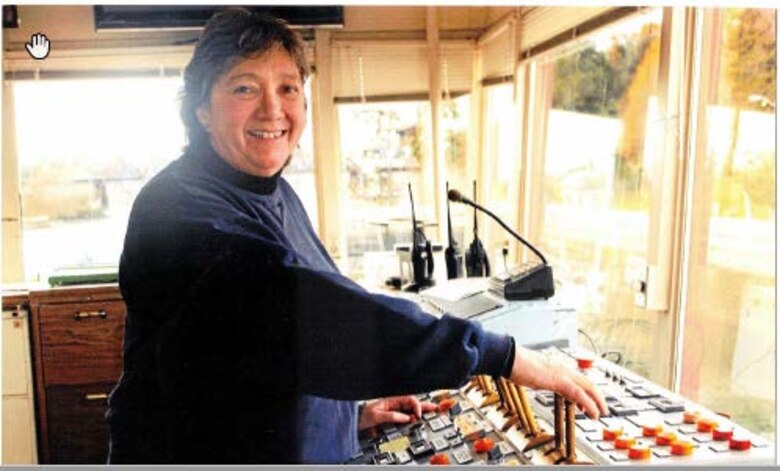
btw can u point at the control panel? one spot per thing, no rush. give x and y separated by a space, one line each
493 421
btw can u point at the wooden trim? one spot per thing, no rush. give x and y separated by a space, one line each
486 82
70 294
422 96
580 30
91 74
39 389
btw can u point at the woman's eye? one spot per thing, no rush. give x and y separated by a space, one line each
290 89
242 90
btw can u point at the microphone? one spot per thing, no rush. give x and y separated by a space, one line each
457 197
525 282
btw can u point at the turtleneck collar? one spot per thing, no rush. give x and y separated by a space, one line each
205 155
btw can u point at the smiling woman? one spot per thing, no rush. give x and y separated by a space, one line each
256 113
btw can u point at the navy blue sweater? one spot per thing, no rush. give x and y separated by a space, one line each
244 344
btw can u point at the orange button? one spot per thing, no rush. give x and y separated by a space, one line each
446 404
639 452
706 425
682 448
652 430
690 417
610 434
739 443
483 445
722 434
623 443
441 458
665 439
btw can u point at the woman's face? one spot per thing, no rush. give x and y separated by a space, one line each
256 113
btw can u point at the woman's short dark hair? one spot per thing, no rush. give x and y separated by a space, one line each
230 35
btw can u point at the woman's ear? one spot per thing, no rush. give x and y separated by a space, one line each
204 117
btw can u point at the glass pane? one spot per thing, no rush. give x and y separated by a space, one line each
599 99
384 148
729 342
86 147
499 153
455 124
300 172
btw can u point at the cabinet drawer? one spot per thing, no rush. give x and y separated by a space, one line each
82 342
78 432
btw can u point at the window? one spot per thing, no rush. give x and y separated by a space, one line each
597 98
300 172
728 360
384 148
85 148
500 156
456 119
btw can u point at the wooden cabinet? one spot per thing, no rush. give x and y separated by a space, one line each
77 346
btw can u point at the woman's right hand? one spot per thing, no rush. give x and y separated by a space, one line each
539 371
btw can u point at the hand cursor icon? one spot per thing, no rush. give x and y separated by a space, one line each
38 46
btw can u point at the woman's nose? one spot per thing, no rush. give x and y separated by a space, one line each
270 106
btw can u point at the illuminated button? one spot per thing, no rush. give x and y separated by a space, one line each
722 434
447 404
505 448
624 443
441 458
682 448
462 455
639 452
440 443
690 417
706 425
739 443
611 433
402 457
436 424
665 439
652 430
483 445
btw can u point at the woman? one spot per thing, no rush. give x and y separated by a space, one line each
243 342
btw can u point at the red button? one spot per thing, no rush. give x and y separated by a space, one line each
446 405
722 434
682 448
706 425
639 452
739 443
690 417
665 439
584 362
483 445
622 443
441 458
652 430
610 434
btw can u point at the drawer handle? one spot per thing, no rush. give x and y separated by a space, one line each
96 397
87 314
